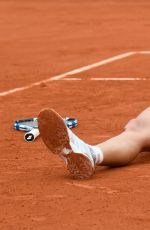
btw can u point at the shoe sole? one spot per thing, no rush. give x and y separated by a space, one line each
55 136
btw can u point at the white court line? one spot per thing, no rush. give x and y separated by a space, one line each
61 76
109 79
75 71
97 64
119 79
143 52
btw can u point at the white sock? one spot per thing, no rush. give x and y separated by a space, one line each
80 146
98 153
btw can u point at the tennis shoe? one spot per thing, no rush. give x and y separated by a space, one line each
60 140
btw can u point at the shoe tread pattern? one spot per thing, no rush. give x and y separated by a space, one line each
79 166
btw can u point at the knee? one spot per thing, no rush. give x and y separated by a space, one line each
132 125
140 130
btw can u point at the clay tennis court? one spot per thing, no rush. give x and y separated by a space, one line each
94 56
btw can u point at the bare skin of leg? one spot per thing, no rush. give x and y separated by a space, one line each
122 149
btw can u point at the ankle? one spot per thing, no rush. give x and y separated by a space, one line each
97 154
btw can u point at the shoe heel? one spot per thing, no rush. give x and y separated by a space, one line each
79 165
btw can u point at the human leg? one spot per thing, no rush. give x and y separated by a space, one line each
124 148
80 157
121 149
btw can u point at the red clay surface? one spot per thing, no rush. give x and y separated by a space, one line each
40 39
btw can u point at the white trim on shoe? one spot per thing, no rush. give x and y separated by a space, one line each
59 139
